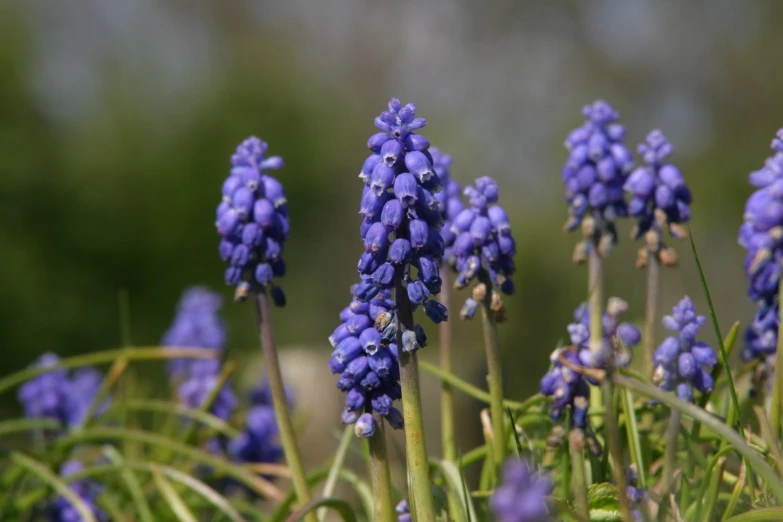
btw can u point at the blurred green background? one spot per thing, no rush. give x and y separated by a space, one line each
117 121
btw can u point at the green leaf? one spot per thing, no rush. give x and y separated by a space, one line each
178 410
108 356
334 472
603 503
342 507
772 514
16 425
131 482
170 495
58 484
454 481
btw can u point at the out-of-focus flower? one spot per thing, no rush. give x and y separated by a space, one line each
61 509
521 495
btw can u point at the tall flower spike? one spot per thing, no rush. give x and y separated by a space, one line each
594 174
366 358
449 200
484 248
202 377
258 442
521 495
197 324
402 211
660 200
252 221
681 362
761 233
61 509
565 383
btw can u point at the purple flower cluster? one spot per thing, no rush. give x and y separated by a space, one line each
258 441
366 357
202 378
761 234
682 363
634 494
564 382
660 200
401 213
403 512
252 221
196 325
61 509
484 247
521 495
58 395
594 174
450 202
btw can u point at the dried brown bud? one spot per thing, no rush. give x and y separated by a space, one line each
652 239
678 231
576 440
588 227
605 245
595 446
581 251
641 258
668 257
479 292
556 437
496 303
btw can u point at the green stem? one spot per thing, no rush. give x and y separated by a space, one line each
381 479
634 441
576 446
651 314
334 471
613 439
595 288
670 454
280 402
777 389
416 447
494 375
446 391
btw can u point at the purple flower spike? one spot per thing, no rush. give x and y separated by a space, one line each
252 220
596 169
569 388
521 495
660 200
681 363
61 509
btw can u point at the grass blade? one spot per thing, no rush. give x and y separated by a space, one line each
132 483
455 482
170 495
342 507
178 410
57 483
337 464
15 425
772 514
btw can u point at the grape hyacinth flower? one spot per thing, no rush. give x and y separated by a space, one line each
258 441
61 509
660 200
403 512
197 324
635 495
252 221
594 174
564 382
60 396
366 357
761 233
202 377
401 213
484 248
521 495
682 363
449 201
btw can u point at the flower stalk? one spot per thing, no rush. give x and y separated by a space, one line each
494 375
595 288
416 447
280 402
651 314
576 447
380 476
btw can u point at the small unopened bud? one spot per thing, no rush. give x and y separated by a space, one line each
479 292
660 218
581 251
668 257
241 292
383 320
365 426
576 440
501 316
652 239
588 227
680 232
605 245
555 438
641 258
496 303
468 310
616 307
594 445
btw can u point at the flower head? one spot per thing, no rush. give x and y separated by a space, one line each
252 221
258 442
196 325
200 382
366 358
449 199
660 200
59 394
402 214
521 495
484 248
61 509
566 382
681 362
403 511
594 174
